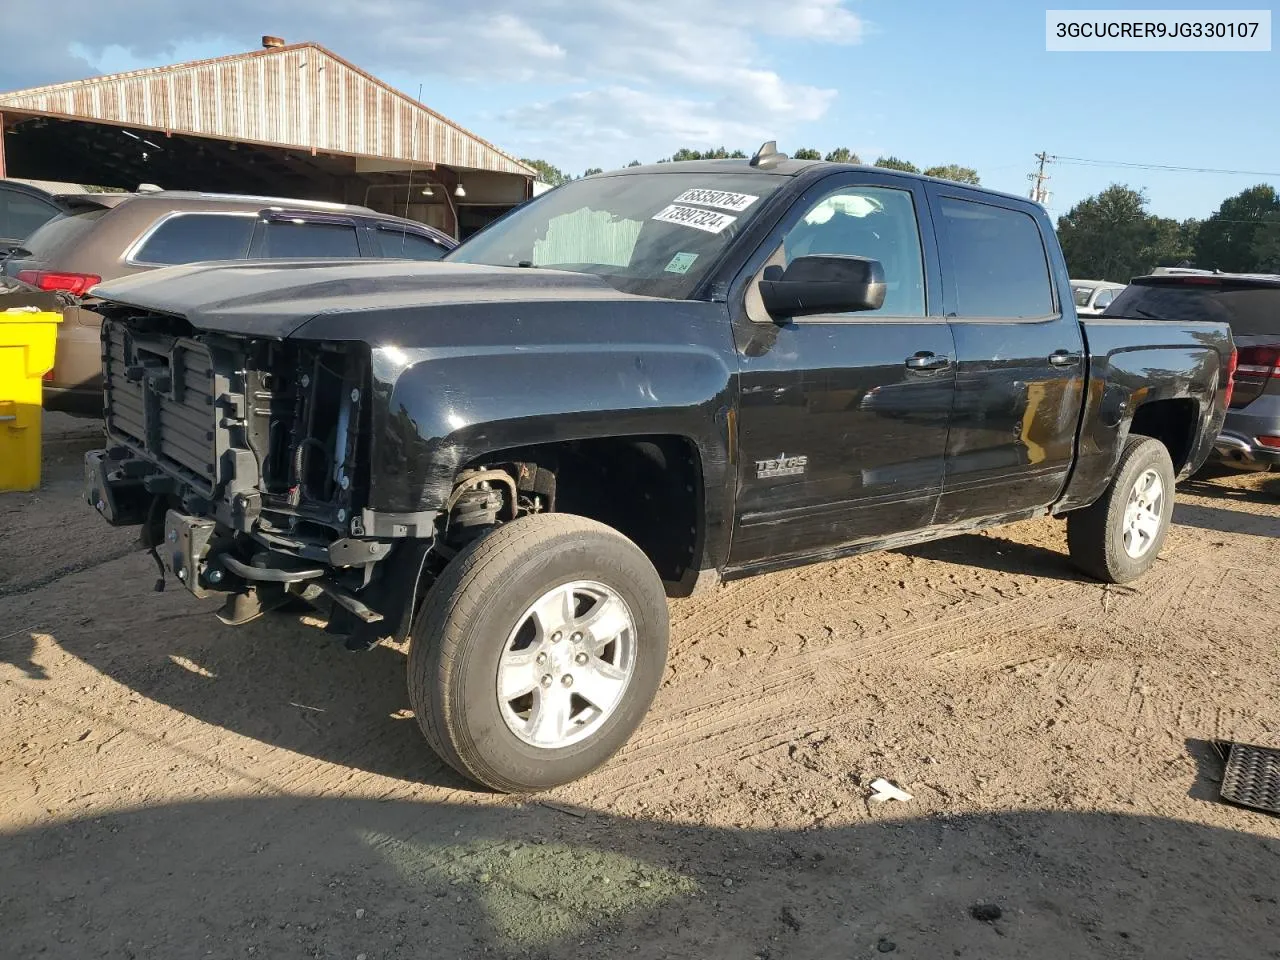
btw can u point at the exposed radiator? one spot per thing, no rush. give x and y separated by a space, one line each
159 396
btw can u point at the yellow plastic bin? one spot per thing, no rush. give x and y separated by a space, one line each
27 343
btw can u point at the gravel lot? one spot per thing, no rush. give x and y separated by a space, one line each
173 788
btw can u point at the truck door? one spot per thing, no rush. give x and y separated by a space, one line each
1020 350
843 417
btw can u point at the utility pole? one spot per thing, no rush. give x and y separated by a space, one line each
1039 193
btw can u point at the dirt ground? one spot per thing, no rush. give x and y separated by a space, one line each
173 788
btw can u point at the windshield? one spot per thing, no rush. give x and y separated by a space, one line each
655 234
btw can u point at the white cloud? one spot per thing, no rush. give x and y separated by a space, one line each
676 72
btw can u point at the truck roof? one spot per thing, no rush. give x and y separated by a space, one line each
789 168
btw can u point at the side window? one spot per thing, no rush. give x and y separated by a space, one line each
411 246
875 222
21 215
305 238
999 268
191 237
1104 299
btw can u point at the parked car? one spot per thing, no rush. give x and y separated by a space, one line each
1250 304
107 236
635 386
26 205
1093 296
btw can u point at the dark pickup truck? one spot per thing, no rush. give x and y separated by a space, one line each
632 387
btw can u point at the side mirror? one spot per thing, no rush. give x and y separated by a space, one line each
823 284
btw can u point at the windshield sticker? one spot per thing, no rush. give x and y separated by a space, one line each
724 199
706 220
680 263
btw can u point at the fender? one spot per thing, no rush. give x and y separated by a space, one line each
452 385
1182 361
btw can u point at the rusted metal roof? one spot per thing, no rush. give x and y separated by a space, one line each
299 96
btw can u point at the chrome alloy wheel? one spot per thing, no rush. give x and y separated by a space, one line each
1143 514
566 664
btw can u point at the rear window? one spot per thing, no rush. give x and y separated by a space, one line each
412 246
1082 295
191 237
999 266
21 215
60 231
1251 312
292 238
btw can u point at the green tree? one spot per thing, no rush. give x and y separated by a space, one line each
1112 237
592 171
719 153
634 163
1226 240
1266 244
952 171
1171 242
548 173
842 155
807 153
893 163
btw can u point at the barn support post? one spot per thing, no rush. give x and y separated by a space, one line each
3 173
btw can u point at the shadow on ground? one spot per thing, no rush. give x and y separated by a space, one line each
296 877
998 554
1226 486
1226 520
278 680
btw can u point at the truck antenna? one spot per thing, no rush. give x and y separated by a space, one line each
768 156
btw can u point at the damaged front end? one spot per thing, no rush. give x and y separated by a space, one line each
246 462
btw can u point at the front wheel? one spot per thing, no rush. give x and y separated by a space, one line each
1117 538
538 652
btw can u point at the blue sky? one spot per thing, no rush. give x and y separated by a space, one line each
602 83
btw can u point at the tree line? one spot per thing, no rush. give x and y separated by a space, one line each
549 173
1113 236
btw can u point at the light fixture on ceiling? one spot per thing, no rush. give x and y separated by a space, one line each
427 191
458 191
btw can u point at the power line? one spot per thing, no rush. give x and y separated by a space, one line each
1168 168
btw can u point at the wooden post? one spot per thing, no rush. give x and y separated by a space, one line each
448 179
3 174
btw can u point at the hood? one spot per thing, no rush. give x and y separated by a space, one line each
273 298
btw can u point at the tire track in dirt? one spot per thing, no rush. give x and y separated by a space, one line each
746 721
729 726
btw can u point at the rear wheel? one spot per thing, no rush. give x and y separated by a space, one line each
538 652
1117 538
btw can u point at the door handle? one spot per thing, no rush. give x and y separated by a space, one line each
1063 358
927 361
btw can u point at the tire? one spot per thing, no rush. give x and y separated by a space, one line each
1096 535
478 619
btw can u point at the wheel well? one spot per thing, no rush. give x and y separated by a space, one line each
1173 423
648 488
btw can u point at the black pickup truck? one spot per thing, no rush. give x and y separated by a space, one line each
632 387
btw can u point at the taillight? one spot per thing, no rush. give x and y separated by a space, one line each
76 284
1232 365
1259 364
